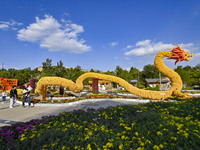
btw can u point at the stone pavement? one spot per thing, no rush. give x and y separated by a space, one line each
9 116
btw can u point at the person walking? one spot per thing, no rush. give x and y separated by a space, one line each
3 94
26 96
13 96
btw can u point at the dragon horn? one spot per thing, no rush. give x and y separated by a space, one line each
177 46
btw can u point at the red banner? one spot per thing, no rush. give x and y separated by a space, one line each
8 83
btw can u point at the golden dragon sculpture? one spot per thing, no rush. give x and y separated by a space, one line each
176 82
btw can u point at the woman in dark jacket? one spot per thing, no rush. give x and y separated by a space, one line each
13 96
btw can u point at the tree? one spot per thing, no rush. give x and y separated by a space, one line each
4 74
47 64
48 70
35 74
124 74
23 75
60 69
187 68
110 73
134 73
92 70
73 73
60 64
150 72
12 72
77 72
195 76
185 76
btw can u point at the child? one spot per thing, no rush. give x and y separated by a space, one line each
3 94
29 88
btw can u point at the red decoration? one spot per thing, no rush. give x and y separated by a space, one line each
32 83
95 85
178 54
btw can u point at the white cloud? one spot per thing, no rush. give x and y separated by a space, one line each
55 36
127 47
4 26
143 43
141 69
113 44
12 24
147 47
128 69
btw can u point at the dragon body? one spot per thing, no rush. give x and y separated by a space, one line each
176 82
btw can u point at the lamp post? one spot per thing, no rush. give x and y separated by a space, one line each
160 80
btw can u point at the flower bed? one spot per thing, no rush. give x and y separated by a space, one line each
72 99
65 95
88 97
148 126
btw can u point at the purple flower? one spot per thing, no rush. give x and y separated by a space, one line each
33 122
18 128
17 124
10 132
9 138
20 133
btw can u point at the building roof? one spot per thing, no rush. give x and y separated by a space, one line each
157 80
166 81
152 80
134 81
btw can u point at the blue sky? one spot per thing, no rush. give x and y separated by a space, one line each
96 34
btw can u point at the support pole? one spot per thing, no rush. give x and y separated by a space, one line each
44 93
160 81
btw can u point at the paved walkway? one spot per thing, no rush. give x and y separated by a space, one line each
19 114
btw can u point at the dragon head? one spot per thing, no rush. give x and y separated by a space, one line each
180 54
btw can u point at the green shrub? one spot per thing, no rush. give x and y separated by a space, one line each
141 86
189 88
157 88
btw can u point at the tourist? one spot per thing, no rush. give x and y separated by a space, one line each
13 96
3 94
26 96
